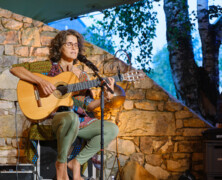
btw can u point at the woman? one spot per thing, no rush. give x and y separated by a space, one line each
69 124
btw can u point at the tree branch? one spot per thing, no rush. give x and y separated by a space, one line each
202 14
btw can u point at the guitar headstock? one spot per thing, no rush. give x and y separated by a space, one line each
133 75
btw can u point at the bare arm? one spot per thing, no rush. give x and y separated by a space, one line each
26 75
107 96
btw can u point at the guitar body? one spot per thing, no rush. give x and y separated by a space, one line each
37 107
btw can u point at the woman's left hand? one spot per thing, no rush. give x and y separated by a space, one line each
107 94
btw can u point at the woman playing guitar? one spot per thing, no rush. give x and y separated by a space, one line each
68 123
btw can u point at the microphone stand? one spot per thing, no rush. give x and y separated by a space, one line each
102 85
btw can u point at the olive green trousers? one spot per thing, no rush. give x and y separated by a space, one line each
65 126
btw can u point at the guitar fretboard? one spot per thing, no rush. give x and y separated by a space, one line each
88 84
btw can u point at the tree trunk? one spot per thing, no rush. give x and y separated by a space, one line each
184 68
210 49
196 86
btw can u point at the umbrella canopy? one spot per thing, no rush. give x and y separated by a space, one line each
51 10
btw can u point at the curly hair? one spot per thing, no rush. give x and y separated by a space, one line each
59 40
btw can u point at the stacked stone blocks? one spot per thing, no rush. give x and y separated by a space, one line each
156 130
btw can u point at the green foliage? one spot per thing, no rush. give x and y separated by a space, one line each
161 71
215 11
98 37
135 24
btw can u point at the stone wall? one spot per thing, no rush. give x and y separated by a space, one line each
156 130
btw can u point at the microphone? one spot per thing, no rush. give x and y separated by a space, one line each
88 63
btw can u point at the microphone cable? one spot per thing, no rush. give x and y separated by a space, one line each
17 142
88 63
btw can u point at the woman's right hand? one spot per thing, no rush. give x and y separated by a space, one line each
46 87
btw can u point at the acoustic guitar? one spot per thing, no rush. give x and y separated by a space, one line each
37 107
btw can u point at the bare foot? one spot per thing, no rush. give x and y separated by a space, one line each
61 171
75 167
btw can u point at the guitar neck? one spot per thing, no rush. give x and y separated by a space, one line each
88 84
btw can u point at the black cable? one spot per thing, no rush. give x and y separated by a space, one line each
37 174
16 130
88 63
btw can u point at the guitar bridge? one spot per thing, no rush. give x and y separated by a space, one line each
37 97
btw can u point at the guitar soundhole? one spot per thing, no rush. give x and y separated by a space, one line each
62 89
